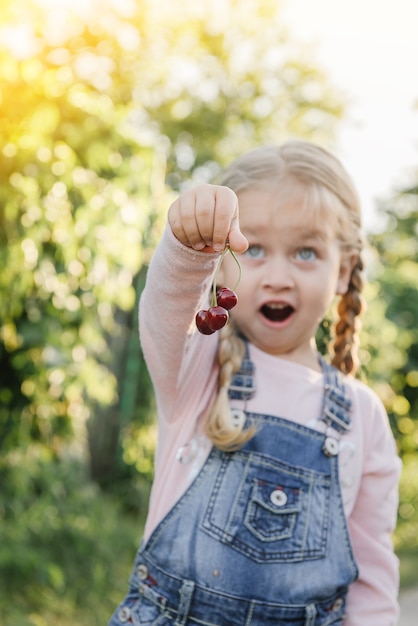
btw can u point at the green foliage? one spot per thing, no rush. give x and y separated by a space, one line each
102 112
66 549
390 348
407 531
406 535
394 311
77 214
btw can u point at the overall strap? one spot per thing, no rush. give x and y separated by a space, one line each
242 385
337 405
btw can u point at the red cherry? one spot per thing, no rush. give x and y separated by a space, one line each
217 317
226 298
202 323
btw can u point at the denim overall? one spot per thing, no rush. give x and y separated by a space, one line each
260 536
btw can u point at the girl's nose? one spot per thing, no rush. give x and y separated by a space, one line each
277 274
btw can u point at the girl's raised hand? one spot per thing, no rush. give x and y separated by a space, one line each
205 217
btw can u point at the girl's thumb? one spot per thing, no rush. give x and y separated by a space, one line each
237 241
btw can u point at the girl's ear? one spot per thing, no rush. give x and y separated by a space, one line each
348 263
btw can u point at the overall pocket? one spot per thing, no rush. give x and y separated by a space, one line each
268 510
272 509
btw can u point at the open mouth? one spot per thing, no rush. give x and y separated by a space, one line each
277 312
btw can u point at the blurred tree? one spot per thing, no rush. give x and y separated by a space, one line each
391 355
78 200
392 352
105 107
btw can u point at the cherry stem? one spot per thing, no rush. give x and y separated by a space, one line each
234 256
223 255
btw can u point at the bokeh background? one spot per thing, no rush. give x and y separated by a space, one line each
108 108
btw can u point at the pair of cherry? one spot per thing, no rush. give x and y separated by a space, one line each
210 320
223 300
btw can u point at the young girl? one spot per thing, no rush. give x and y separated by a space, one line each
276 473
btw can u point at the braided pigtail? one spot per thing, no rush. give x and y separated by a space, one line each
347 327
220 427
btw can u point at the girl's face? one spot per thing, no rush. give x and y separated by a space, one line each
290 274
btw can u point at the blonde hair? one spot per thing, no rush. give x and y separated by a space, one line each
305 166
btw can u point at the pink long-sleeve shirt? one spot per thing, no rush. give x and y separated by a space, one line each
182 365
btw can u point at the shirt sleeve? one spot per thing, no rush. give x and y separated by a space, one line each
373 598
178 283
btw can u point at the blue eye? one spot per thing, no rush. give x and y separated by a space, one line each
306 254
255 252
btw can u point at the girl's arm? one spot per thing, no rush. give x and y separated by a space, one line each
178 283
373 598
179 279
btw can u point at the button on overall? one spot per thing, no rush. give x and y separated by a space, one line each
278 497
142 571
124 614
331 446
